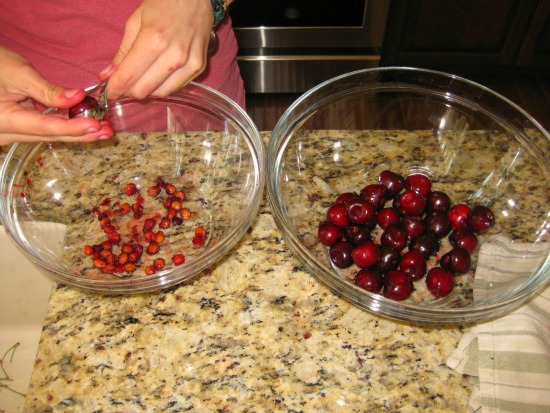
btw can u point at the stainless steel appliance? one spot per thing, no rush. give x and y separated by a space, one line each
292 45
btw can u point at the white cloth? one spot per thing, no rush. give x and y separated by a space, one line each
510 355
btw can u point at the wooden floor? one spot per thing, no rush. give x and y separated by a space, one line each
530 92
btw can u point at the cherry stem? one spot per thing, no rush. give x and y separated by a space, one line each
6 376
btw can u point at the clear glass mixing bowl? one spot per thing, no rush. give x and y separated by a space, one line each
197 139
474 144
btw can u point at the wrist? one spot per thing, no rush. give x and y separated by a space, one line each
219 8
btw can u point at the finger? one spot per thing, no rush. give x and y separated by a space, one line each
119 80
171 71
136 62
29 122
119 56
6 139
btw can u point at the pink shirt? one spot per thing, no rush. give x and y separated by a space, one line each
70 41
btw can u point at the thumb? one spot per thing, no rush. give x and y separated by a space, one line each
50 94
28 82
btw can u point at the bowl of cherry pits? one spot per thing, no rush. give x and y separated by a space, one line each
158 204
414 194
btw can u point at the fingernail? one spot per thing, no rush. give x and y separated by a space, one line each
71 93
104 137
106 70
92 130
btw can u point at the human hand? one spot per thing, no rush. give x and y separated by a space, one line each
164 47
21 88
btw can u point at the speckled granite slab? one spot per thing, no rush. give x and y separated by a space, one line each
255 333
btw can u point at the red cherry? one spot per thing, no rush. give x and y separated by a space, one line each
365 255
397 285
357 234
426 244
387 217
341 254
413 226
328 233
411 203
458 214
438 201
438 224
345 196
392 181
388 259
440 282
413 264
456 261
83 108
394 237
418 183
336 214
463 238
375 194
360 211
370 280
480 219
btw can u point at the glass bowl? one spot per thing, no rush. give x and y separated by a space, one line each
61 202
475 145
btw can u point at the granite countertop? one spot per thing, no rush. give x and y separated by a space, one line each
254 333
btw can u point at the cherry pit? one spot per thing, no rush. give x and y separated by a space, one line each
141 248
391 229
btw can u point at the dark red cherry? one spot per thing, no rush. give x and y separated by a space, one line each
337 214
458 214
463 238
438 224
394 237
83 108
387 217
411 203
340 254
426 244
365 255
413 264
440 282
375 194
360 211
328 233
438 201
357 234
456 261
397 285
388 259
418 183
345 196
392 181
480 219
413 226
370 280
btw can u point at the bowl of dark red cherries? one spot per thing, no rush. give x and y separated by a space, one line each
414 194
158 204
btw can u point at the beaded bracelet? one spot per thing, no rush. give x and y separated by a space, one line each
219 7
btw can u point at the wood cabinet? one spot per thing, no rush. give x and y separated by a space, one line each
468 35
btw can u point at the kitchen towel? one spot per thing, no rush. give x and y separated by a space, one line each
509 355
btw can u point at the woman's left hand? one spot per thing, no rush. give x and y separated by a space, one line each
164 47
